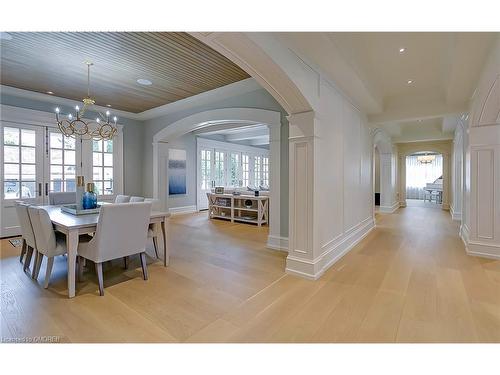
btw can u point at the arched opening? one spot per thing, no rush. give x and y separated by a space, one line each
442 148
424 179
217 121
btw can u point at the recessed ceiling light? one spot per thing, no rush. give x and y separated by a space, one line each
108 105
5 36
145 82
409 82
402 49
419 120
50 93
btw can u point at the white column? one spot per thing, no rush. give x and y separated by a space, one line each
387 203
481 232
301 203
275 240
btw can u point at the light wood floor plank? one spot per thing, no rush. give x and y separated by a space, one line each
409 280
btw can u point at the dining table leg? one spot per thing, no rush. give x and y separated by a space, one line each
72 246
166 255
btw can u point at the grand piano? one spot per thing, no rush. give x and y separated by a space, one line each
434 190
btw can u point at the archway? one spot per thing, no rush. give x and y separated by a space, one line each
406 149
218 118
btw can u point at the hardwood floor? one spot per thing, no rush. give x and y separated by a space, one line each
409 280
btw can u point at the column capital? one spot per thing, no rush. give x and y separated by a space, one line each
301 124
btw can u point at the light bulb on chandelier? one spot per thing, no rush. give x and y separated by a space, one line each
101 129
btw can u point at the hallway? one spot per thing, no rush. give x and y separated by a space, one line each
409 280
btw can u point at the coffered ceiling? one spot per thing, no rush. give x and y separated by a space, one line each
177 64
400 78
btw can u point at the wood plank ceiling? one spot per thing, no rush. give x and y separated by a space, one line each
178 65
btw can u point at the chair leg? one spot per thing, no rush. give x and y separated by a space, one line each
155 245
38 265
125 262
50 263
23 250
35 262
144 266
98 271
27 260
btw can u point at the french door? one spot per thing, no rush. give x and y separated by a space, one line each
35 160
206 182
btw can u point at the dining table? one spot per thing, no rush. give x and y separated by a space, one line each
75 225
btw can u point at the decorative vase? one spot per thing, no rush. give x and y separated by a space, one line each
80 190
90 197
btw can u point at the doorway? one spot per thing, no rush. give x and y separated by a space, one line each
232 166
424 179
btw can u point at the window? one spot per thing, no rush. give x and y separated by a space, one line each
257 168
62 162
102 156
19 156
219 169
245 170
234 169
265 171
206 169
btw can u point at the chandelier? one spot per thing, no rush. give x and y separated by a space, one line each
75 126
426 159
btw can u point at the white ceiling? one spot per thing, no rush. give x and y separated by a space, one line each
250 135
444 68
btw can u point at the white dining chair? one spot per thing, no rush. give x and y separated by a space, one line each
122 198
136 199
154 230
48 244
29 244
121 232
58 198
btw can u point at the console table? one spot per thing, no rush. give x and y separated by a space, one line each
232 207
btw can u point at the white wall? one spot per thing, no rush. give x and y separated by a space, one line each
457 172
186 142
331 154
481 228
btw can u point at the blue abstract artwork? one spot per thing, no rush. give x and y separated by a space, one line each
176 172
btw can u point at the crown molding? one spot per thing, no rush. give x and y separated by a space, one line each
221 93
57 100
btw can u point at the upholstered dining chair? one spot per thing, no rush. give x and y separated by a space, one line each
29 244
57 198
47 243
122 198
121 231
136 199
154 230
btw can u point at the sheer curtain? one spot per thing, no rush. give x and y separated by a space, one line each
418 175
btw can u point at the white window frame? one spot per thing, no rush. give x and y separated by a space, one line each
228 148
24 116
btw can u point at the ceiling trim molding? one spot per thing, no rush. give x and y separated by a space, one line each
221 93
57 100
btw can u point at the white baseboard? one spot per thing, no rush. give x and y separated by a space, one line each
333 251
456 216
277 243
389 209
182 210
477 248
